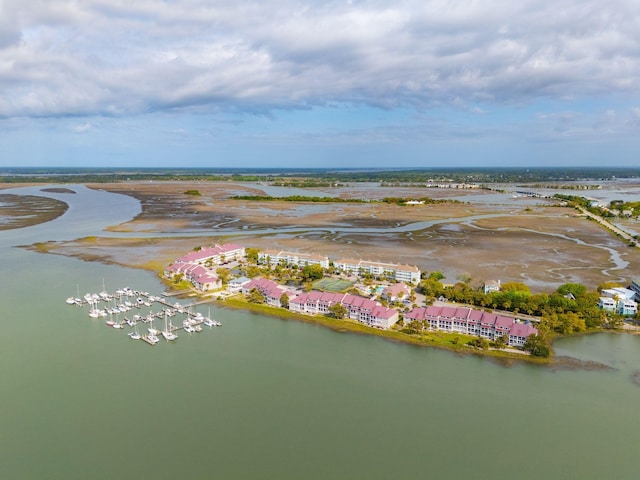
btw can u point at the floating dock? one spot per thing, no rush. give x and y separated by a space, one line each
109 305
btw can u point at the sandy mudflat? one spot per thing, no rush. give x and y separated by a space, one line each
17 211
543 246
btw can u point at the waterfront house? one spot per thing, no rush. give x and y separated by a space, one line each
491 286
218 254
627 307
469 321
619 293
607 303
199 276
358 308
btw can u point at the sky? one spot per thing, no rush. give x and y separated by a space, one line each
352 84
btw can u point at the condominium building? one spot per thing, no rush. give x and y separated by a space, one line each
473 322
400 273
274 257
358 308
218 254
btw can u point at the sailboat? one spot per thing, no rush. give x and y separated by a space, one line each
152 331
167 333
117 323
134 335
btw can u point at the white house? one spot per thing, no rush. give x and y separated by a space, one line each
619 293
627 307
607 303
491 286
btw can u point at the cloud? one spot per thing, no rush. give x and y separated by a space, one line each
116 57
82 128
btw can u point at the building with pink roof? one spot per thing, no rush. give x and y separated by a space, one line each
472 322
358 308
193 265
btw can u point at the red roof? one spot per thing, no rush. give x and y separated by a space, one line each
522 330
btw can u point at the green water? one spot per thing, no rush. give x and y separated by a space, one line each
262 398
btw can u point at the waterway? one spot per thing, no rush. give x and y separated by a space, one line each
263 398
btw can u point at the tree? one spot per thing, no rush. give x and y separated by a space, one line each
284 301
464 277
608 285
252 254
479 342
338 311
508 287
224 274
437 276
575 289
255 296
501 341
537 346
312 272
253 271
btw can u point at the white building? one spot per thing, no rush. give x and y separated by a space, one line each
358 308
400 273
274 257
627 307
491 286
619 293
607 303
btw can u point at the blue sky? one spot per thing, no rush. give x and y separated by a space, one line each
286 83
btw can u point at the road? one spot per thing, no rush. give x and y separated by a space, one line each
609 226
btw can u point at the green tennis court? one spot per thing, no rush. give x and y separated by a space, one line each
332 284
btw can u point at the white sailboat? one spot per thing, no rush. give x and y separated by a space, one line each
152 331
167 333
152 338
134 335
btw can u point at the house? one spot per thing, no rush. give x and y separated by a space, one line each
619 293
627 307
491 286
358 308
202 278
194 265
271 291
218 254
395 292
607 303
473 322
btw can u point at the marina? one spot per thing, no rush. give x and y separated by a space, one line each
125 301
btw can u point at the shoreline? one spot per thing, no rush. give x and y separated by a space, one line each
440 340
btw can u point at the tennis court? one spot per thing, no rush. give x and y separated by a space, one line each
332 285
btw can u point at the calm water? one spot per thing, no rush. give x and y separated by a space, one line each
262 398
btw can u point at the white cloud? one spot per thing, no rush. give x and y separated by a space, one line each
82 128
114 57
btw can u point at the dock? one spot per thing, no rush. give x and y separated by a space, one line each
105 305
